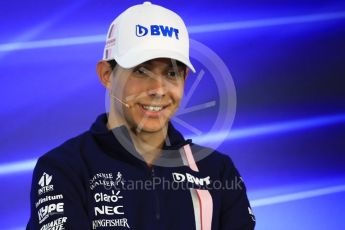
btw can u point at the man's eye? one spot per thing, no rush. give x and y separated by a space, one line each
140 71
173 74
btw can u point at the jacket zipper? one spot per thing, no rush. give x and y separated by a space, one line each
156 196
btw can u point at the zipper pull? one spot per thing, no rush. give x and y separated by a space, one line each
152 172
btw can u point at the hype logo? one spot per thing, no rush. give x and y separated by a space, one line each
156 30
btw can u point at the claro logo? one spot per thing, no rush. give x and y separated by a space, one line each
178 177
157 30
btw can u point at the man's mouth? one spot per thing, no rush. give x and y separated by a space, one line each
153 108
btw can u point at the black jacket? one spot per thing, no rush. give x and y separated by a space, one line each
96 181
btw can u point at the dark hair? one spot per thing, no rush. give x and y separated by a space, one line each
112 64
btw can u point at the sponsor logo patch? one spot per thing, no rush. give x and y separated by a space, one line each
51 209
157 30
110 223
179 177
57 224
48 198
44 182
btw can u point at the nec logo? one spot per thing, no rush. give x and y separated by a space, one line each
156 30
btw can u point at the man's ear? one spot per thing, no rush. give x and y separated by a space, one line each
104 70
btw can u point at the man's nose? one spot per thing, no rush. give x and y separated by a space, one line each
157 87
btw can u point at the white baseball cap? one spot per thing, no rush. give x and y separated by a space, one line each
144 32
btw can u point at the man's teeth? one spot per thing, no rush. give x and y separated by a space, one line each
153 108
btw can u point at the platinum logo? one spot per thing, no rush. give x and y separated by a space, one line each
178 177
48 198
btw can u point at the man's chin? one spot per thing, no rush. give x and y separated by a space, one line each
151 128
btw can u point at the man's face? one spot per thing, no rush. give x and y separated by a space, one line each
153 91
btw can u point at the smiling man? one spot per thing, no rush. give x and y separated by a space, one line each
133 169
152 92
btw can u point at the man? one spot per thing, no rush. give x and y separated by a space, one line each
133 169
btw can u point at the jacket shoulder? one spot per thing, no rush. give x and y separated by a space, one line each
69 150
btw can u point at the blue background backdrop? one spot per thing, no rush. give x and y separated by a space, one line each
287 61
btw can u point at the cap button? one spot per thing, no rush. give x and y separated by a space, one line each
147 3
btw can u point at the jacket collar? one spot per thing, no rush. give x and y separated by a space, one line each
118 144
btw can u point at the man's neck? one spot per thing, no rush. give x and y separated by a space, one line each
147 144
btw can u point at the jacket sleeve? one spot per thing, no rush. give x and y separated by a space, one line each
57 197
236 213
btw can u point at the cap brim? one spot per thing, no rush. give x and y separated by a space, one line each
132 59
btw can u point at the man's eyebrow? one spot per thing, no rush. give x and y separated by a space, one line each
178 64
149 62
170 65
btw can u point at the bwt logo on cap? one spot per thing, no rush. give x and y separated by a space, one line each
156 30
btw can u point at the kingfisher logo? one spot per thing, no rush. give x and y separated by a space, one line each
157 30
